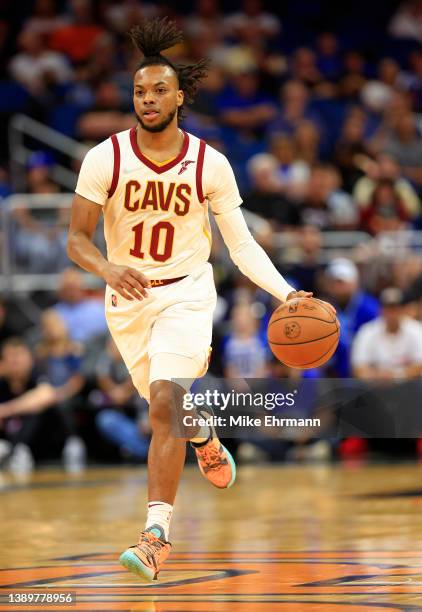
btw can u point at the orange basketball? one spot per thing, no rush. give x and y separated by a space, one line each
303 333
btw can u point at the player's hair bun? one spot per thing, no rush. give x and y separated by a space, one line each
152 37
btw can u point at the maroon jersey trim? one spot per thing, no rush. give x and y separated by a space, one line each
151 164
116 165
199 168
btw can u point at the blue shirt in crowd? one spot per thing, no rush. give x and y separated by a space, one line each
84 320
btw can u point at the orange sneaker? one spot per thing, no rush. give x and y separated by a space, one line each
214 460
146 558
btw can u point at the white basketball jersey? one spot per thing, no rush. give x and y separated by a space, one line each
156 215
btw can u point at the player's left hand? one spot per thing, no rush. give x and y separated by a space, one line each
299 294
308 294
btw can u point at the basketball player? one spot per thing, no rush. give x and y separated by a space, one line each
154 184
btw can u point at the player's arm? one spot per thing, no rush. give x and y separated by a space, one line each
91 195
250 257
221 190
246 253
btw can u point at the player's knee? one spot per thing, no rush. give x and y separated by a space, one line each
163 405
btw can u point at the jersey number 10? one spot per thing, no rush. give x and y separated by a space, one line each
163 230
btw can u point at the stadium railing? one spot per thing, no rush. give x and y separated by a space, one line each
25 136
33 253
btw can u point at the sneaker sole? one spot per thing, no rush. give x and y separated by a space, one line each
232 465
132 563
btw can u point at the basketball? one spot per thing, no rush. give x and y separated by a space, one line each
303 333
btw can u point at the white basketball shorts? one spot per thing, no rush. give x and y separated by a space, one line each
175 319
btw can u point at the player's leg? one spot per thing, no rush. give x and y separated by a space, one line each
130 325
185 328
178 350
166 458
167 452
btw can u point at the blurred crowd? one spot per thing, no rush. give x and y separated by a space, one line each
321 119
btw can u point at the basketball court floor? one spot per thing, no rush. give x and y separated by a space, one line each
290 538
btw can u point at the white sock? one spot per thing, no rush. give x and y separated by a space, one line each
159 513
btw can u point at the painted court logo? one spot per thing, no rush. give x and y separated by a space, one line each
184 165
324 580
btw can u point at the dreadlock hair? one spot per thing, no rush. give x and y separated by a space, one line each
152 37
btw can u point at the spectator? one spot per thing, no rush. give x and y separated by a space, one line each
38 245
324 203
265 196
203 115
77 39
385 211
254 16
292 173
406 270
57 356
353 77
206 17
313 205
104 65
244 354
44 19
306 139
390 346
328 57
376 94
22 398
59 360
405 144
121 16
305 263
83 316
295 108
243 106
407 21
385 167
36 67
343 212
123 415
106 117
304 67
350 146
39 168
412 80
399 105
354 307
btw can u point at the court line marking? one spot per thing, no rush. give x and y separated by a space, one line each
220 575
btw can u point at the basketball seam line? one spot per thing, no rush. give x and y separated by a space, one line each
304 341
295 316
309 362
321 303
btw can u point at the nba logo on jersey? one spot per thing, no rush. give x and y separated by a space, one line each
184 165
114 300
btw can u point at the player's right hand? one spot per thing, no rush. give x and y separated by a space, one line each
128 282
